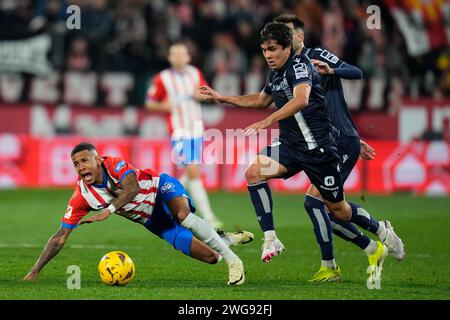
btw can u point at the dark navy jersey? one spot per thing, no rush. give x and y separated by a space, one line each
337 106
309 128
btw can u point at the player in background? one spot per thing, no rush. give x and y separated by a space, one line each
158 202
173 90
305 142
350 147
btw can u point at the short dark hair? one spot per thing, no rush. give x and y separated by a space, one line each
83 146
291 18
277 31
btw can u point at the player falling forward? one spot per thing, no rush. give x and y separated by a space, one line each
173 90
305 133
158 202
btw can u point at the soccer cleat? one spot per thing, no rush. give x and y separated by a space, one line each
326 274
376 263
270 249
240 237
236 275
392 241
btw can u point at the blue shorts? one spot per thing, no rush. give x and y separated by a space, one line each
187 151
162 223
349 149
321 165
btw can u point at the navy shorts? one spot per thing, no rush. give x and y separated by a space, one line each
321 165
162 223
349 149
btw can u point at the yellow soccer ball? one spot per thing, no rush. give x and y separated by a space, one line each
116 268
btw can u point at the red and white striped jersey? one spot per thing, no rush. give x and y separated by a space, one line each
97 197
178 88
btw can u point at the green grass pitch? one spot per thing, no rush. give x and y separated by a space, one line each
29 217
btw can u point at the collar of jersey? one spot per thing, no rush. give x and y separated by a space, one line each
305 51
105 180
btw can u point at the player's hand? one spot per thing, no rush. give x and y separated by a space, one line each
256 127
85 221
322 67
367 152
202 97
31 276
209 94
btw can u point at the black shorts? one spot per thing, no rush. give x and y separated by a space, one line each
348 149
321 165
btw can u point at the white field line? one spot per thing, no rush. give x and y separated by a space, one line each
73 246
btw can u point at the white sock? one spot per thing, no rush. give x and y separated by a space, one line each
203 231
228 241
270 235
329 264
371 248
200 197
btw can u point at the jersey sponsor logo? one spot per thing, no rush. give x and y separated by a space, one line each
167 187
329 181
301 71
327 55
68 212
119 166
280 87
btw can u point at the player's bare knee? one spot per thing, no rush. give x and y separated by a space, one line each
252 174
212 258
180 215
340 213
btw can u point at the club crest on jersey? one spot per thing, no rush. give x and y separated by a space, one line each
167 187
119 166
300 70
329 181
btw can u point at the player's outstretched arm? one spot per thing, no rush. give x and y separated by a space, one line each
345 71
257 101
52 248
296 104
130 189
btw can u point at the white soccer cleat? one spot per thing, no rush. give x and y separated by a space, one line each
236 275
270 249
392 241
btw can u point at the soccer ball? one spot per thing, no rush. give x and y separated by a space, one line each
116 268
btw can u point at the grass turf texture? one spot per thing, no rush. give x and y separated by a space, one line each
29 217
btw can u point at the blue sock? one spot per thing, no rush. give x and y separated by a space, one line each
363 219
262 202
322 226
349 232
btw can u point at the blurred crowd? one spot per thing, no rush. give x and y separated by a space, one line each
134 35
